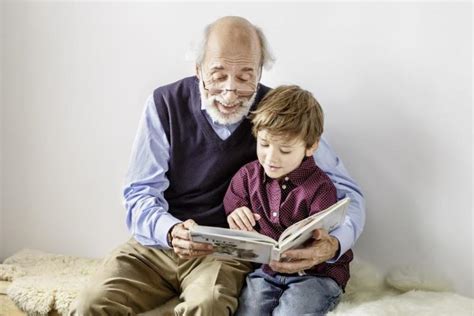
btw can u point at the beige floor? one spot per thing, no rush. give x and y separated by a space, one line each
7 307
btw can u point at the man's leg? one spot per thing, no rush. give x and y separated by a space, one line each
308 295
210 285
131 280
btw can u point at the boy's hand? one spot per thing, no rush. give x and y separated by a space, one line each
242 218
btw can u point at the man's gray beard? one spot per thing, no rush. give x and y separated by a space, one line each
218 116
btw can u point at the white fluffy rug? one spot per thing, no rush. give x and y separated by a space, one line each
42 282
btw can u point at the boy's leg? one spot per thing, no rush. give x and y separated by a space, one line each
309 295
210 285
260 294
131 280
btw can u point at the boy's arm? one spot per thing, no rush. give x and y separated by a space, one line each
324 197
237 194
237 203
348 233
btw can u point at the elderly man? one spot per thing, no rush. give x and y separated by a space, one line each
192 138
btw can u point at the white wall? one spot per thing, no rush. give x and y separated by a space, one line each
394 80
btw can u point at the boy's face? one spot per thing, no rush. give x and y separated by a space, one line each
278 155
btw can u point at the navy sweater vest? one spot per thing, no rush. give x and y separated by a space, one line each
201 164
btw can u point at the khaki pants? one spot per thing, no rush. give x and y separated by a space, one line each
135 279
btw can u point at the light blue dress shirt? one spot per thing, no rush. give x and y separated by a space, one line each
148 218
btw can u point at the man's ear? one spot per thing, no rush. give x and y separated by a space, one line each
310 151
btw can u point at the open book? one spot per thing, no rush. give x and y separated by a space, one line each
252 246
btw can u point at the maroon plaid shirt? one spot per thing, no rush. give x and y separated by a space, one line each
282 202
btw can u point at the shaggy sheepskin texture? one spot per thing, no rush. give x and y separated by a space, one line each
42 282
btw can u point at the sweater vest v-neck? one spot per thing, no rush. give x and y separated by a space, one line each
201 164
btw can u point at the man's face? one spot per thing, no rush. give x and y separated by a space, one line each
278 155
233 68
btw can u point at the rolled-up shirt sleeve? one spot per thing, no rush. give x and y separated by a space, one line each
350 230
148 218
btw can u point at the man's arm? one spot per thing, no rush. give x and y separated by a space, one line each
348 233
147 210
148 218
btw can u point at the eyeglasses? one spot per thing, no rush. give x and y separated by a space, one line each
216 91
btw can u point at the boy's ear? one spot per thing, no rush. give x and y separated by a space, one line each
310 151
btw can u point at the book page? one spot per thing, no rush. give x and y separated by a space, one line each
296 226
232 233
301 231
230 247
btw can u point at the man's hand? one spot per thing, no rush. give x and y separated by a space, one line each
242 218
182 244
320 249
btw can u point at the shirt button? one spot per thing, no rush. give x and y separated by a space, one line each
274 214
286 178
283 187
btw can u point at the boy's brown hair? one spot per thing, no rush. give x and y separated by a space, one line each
291 112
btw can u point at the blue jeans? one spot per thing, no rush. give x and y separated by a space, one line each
283 295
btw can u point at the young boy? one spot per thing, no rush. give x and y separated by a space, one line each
281 188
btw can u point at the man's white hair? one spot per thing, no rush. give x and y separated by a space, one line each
266 59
